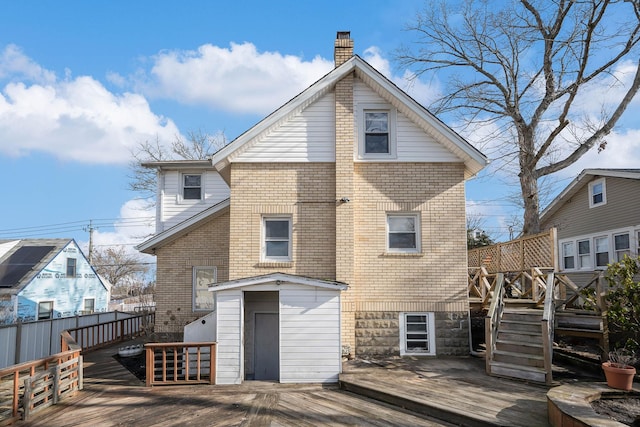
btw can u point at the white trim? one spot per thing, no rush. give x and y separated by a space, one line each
592 184
392 115
181 199
278 277
634 246
263 239
417 225
430 330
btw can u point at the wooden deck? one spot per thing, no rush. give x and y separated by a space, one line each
112 396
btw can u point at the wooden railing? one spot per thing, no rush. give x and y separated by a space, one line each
95 336
548 323
180 363
492 320
528 284
42 382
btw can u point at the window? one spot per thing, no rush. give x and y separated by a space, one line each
376 131
89 305
568 256
621 246
403 233
192 188
45 310
597 193
417 334
277 239
602 251
584 254
376 136
638 243
203 277
71 267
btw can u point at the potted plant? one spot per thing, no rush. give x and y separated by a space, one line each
619 370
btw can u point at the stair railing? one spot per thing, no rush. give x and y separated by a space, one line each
547 327
492 319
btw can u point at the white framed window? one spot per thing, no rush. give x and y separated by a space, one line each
597 193
637 242
276 238
602 251
621 246
403 232
377 135
191 187
45 310
584 254
203 277
417 334
88 305
568 256
71 268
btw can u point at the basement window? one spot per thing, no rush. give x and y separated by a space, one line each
417 334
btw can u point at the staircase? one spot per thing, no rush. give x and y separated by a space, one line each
518 350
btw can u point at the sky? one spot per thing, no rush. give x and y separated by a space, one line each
82 84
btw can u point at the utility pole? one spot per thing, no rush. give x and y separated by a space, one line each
90 229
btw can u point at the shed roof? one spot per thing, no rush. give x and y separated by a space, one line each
279 277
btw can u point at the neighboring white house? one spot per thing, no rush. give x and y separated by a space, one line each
47 278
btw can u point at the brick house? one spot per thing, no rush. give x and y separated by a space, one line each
339 220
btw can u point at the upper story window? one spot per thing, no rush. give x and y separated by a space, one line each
403 232
71 267
597 193
276 244
203 277
191 187
377 132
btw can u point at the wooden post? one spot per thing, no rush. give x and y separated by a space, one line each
26 399
56 384
149 366
16 352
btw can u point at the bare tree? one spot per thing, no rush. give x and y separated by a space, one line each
198 146
125 271
529 68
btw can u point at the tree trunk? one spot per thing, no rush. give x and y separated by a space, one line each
529 187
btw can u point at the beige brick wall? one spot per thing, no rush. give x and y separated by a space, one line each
304 191
208 245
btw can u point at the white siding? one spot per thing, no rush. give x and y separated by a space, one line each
309 334
413 144
229 335
307 137
175 210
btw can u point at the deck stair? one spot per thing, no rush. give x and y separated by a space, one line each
518 351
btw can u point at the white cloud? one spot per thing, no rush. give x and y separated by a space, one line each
238 79
72 119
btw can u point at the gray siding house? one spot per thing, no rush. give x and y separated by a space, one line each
597 218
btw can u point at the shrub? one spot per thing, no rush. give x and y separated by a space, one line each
623 300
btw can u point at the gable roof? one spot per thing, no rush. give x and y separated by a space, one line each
22 260
183 227
279 277
473 159
580 181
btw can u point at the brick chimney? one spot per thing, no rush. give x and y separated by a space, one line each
343 48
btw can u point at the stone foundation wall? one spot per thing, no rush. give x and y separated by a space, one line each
377 333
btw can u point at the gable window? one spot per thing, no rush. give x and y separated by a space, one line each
568 258
71 267
621 246
417 334
203 277
584 254
403 232
597 193
602 251
89 305
45 310
192 187
276 245
376 131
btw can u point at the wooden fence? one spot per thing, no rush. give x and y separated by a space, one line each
180 363
522 254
